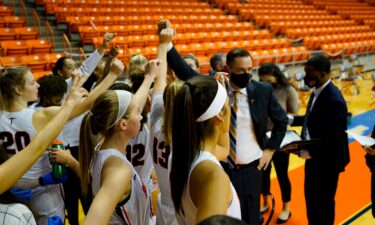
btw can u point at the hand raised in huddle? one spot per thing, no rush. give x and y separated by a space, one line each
108 37
152 68
163 24
117 67
166 35
76 92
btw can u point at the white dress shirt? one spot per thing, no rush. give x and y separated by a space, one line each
247 148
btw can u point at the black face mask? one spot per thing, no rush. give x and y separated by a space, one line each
310 81
240 80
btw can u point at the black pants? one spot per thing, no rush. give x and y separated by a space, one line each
247 182
370 161
320 190
281 163
73 192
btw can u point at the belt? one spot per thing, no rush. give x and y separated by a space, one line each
254 163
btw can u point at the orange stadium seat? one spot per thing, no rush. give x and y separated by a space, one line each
8 61
14 48
6 11
14 21
35 62
27 33
39 46
7 34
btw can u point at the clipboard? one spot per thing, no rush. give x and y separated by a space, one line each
296 146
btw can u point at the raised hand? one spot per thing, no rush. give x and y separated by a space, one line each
163 24
166 35
117 67
108 37
152 68
76 93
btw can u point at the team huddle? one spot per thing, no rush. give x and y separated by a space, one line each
166 127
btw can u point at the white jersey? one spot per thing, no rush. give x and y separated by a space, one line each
16 132
160 154
135 209
71 131
190 210
138 153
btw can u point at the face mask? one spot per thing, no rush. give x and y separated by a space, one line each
240 80
310 81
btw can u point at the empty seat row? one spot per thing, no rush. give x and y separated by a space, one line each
66 12
20 33
243 39
6 11
265 20
12 21
350 47
40 62
298 33
281 26
316 41
25 47
184 31
75 22
251 14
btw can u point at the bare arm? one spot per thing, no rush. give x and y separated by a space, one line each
115 186
15 167
210 190
41 117
222 147
152 69
165 36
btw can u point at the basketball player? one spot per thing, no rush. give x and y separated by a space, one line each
200 187
120 195
19 124
161 132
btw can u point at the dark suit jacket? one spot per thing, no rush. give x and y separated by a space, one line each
262 103
327 121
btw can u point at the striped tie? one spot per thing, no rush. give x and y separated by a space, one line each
233 129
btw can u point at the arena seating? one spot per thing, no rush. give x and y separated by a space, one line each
22 46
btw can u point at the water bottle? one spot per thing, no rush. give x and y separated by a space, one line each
58 170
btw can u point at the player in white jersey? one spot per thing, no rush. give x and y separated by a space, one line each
18 165
113 120
18 88
138 148
161 134
139 153
200 187
135 207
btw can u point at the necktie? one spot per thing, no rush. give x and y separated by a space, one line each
308 110
233 128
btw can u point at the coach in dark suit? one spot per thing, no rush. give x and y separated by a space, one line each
252 150
325 120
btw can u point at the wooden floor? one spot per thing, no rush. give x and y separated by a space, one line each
358 103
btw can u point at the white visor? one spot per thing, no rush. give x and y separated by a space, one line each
124 98
216 105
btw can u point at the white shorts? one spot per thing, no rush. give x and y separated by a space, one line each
47 201
166 215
